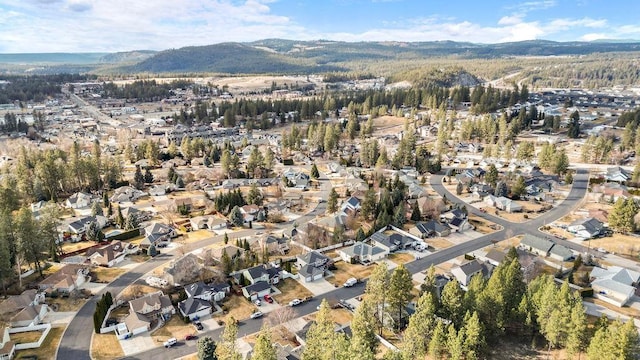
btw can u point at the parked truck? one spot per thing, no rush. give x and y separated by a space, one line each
350 282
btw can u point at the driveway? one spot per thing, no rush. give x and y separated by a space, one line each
60 317
265 307
318 287
138 343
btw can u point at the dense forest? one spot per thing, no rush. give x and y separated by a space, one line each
36 87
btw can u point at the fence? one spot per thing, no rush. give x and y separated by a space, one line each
106 329
32 345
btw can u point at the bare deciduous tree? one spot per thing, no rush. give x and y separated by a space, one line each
279 317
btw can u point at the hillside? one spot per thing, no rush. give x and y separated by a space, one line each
232 58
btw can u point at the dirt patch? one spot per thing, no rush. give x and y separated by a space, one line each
290 290
620 244
345 271
282 336
139 258
401 258
340 316
106 275
136 291
48 348
174 328
439 243
197 235
481 225
507 244
105 346
238 307
65 304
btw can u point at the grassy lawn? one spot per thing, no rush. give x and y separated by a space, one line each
238 307
290 290
136 240
281 336
48 348
197 235
105 346
25 337
176 328
139 258
401 258
345 271
66 304
136 290
120 312
106 275
619 244
68 247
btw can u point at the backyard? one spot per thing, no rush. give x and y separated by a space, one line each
48 347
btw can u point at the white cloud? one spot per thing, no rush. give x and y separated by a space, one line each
593 36
510 20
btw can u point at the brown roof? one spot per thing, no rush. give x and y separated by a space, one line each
600 215
135 321
153 300
231 251
108 252
28 313
17 302
66 275
7 348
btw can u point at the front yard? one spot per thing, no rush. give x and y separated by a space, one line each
290 289
401 258
104 275
105 346
345 271
340 316
174 328
238 307
65 304
481 225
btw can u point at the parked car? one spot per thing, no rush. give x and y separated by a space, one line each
258 302
169 343
198 325
295 302
257 314
190 337
350 282
268 299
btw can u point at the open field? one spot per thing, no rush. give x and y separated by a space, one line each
401 258
620 244
105 346
175 327
48 348
290 289
439 243
238 307
345 271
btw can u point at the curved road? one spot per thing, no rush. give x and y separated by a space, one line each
77 337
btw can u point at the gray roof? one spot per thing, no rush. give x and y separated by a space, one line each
258 287
308 270
591 225
537 243
430 227
496 255
197 289
472 267
314 257
193 305
361 249
561 251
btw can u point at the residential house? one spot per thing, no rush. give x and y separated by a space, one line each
257 290
351 205
7 347
183 270
208 222
153 306
459 225
262 273
455 213
391 242
430 228
184 203
536 245
618 174
545 248
495 257
480 191
111 254
81 225
250 212
312 266
586 228
26 309
503 203
232 252
275 244
201 291
194 308
362 253
80 200
157 233
29 316
66 280
126 194
463 273
615 285
612 191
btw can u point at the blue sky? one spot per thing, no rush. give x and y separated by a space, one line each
121 25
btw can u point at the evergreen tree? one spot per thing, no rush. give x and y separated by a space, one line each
399 216
119 218
263 349
148 176
96 209
360 235
138 179
420 328
437 344
622 217
473 336
332 203
459 188
226 348
206 349
452 302
455 343
314 172
236 217
377 289
400 286
363 340
518 187
415 213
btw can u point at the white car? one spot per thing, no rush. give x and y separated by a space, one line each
257 314
295 302
258 302
169 343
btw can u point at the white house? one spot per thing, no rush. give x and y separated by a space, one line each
615 285
312 266
194 308
466 271
362 253
80 200
586 228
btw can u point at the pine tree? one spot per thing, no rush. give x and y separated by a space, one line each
437 344
364 341
420 328
314 172
148 176
455 343
473 336
263 349
415 213
236 217
206 349
332 203
399 216
321 335
138 179
452 302
119 218
577 330
226 348
400 286
491 176
377 289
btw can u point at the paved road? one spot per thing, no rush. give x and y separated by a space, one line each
76 340
77 337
